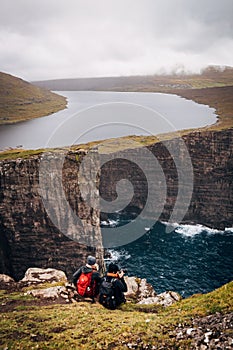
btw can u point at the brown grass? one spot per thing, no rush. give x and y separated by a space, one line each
20 100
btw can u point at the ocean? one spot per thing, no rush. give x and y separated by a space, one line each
191 259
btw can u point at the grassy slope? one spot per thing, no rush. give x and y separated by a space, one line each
20 100
85 326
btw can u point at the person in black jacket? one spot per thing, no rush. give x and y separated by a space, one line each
91 266
116 276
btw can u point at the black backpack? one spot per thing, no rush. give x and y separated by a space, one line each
107 294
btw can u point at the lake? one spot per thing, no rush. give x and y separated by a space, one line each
94 115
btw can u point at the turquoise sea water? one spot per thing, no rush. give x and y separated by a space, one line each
191 259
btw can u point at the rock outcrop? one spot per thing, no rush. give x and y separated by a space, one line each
139 290
48 293
7 282
5 279
143 293
38 275
165 299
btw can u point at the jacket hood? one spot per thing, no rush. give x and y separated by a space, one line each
86 269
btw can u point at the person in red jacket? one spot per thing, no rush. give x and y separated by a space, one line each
90 268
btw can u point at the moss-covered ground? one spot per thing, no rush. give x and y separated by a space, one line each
83 325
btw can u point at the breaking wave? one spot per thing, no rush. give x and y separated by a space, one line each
192 230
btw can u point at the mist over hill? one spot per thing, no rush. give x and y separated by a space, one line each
213 76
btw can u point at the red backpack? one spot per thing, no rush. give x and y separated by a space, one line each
85 287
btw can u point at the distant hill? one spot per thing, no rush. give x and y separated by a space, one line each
20 100
210 77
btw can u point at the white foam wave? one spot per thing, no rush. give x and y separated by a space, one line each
116 255
110 223
192 230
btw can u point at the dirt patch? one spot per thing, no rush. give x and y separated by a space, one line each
58 330
14 305
40 337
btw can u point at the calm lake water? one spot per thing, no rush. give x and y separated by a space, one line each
99 115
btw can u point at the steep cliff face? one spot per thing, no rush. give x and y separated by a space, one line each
211 155
28 236
208 179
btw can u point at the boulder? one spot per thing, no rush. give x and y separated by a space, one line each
6 279
7 283
48 293
146 290
132 285
165 299
38 275
139 288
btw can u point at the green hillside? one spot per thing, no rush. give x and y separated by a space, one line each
20 100
29 324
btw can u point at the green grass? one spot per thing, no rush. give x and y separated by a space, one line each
86 326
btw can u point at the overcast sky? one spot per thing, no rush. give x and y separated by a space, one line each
44 39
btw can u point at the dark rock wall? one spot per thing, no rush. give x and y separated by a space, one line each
212 158
212 170
28 237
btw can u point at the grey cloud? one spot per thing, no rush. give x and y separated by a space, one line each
58 38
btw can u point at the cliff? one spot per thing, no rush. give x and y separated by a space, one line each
199 164
30 238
